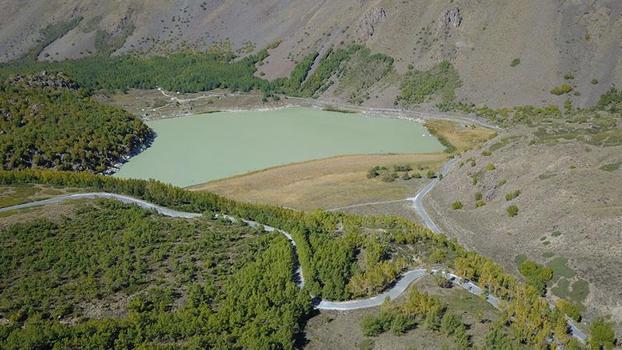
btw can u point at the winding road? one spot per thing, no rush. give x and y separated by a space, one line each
396 290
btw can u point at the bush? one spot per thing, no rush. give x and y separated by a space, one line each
401 323
487 153
511 195
443 282
536 275
418 86
515 62
457 205
602 335
512 210
490 167
594 81
389 177
478 196
568 308
430 174
402 167
480 203
561 90
374 325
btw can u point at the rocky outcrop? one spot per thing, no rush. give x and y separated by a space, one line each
367 26
451 18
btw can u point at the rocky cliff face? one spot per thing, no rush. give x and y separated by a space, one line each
550 38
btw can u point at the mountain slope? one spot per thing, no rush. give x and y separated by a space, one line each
481 39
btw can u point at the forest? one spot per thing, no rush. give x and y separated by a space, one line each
183 72
61 128
116 276
329 244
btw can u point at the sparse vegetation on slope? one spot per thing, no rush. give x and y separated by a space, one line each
419 86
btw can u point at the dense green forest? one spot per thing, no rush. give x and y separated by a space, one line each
64 129
183 72
127 278
328 245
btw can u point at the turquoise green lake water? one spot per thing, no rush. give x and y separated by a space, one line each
196 149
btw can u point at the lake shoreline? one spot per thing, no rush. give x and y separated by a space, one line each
198 149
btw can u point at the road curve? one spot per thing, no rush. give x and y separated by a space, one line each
417 205
400 286
417 200
396 290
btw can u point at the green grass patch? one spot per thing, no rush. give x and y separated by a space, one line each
560 268
16 194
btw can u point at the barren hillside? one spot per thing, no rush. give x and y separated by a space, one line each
568 196
506 52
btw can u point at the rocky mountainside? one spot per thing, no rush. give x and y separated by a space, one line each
506 52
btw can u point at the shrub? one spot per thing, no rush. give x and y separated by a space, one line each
487 153
602 335
512 210
561 90
457 205
511 195
594 81
389 177
515 62
374 325
372 173
402 167
418 86
480 203
490 167
478 196
536 275
417 175
430 174
443 282
568 308
406 176
450 323
569 76
401 323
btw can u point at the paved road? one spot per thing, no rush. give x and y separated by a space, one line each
396 290
417 200
125 199
417 204
400 286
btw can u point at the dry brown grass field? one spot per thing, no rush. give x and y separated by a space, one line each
326 183
342 181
